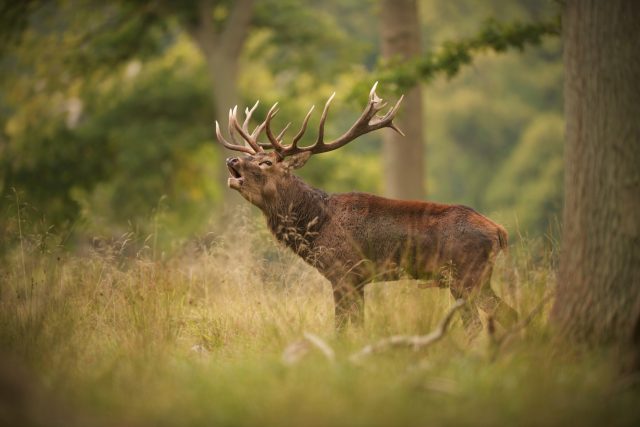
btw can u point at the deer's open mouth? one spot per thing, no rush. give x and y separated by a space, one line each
234 172
236 179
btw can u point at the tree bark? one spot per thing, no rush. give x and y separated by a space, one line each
403 157
598 294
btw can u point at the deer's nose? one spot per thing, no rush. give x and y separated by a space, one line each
231 161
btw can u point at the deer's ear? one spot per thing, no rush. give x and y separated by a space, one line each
297 160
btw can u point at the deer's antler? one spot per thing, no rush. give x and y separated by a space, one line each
367 122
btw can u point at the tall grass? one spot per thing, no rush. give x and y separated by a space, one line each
115 333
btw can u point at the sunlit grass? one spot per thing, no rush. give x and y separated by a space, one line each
108 335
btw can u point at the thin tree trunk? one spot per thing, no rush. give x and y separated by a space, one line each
223 72
404 169
598 295
221 51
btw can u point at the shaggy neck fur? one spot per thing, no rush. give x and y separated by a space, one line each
296 215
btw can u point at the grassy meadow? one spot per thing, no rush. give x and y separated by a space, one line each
118 333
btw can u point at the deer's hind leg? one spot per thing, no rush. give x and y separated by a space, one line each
475 287
473 284
469 313
489 302
467 275
349 304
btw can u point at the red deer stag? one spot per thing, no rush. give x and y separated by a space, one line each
357 238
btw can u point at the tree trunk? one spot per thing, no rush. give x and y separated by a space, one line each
404 169
598 295
223 72
221 51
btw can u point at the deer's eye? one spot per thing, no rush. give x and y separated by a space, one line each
265 163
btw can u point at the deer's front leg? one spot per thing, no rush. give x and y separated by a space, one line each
349 304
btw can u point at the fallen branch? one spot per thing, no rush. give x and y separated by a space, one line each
297 350
416 342
321 345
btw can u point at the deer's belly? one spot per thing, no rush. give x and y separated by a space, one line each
379 262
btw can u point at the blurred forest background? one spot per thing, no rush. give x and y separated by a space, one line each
137 289
107 109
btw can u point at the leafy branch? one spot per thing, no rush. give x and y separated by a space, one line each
400 75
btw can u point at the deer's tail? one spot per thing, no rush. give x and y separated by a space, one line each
503 238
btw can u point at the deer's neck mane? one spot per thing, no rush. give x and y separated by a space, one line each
297 215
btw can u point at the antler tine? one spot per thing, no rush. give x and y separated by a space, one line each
395 107
230 146
247 113
372 92
258 129
256 133
323 118
391 114
273 140
303 128
281 134
375 102
386 120
250 139
232 112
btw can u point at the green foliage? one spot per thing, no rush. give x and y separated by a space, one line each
122 31
108 105
14 19
307 36
48 152
354 170
134 163
531 178
477 122
402 75
160 152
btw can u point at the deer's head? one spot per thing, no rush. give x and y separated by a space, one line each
266 168
261 176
